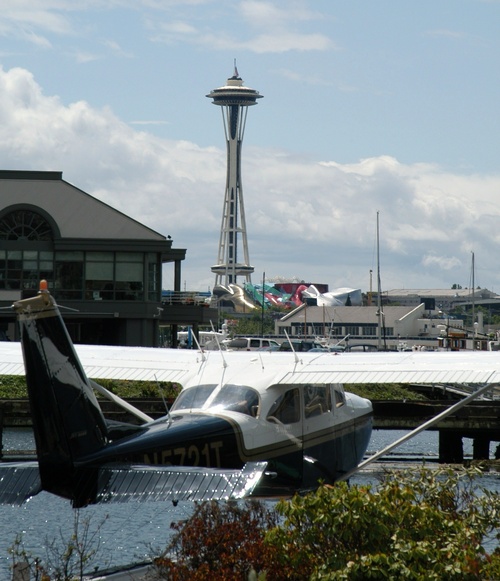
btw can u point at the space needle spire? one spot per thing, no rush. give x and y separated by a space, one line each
233 99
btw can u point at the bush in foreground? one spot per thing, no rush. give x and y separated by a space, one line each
421 525
222 541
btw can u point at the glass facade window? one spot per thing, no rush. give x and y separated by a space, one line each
154 287
130 257
23 269
129 276
69 275
352 330
14 269
99 276
299 328
114 276
370 331
320 329
46 265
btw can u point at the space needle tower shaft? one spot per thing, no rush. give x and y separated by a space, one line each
234 100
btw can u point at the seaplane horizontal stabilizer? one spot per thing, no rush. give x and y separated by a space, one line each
19 481
153 483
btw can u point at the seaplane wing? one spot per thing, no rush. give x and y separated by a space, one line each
448 367
179 365
109 362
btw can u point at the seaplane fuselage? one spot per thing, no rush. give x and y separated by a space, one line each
243 413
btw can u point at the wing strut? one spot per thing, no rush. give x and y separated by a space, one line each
417 431
121 402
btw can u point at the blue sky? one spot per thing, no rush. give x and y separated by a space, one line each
368 106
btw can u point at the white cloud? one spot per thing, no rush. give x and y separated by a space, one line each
306 79
256 26
265 14
444 262
306 218
23 17
149 122
86 57
446 33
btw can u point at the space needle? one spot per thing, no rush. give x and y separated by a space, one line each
233 99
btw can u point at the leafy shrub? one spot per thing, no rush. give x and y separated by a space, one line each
384 391
14 387
222 541
141 389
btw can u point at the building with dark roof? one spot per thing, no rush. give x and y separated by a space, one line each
103 267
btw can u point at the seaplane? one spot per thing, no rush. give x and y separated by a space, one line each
246 424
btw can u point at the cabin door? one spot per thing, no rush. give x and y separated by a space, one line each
283 433
319 445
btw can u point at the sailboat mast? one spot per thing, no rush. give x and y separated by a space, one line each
379 290
473 306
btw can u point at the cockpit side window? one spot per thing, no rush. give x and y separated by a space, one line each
237 398
317 400
339 395
193 397
286 408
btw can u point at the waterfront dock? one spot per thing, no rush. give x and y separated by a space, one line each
479 421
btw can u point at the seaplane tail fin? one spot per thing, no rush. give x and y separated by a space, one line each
67 421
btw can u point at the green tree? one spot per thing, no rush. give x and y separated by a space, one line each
254 325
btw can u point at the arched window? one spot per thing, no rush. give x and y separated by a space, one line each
25 225
27 255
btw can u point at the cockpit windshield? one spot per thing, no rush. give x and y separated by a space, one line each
193 397
237 398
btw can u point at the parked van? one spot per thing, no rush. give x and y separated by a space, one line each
251 344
